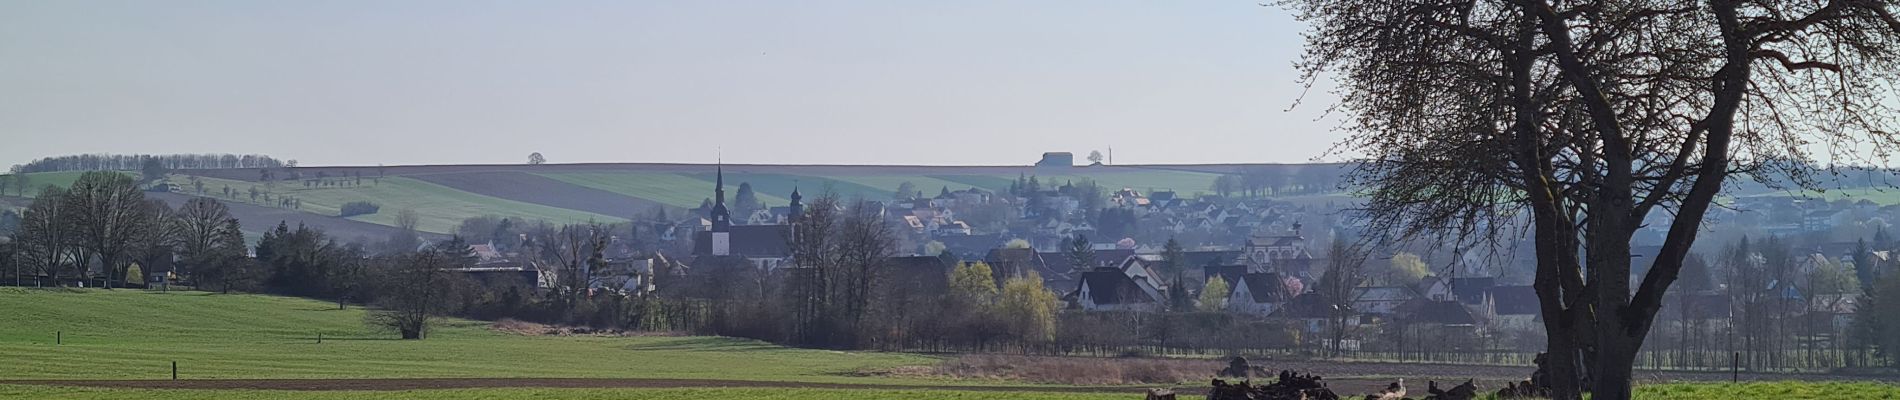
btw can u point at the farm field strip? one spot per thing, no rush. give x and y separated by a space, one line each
666 188
441 208
40 180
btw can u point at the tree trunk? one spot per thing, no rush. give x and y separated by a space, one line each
1616 357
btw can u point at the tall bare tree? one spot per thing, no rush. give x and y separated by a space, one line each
205 232
112 217
419 287
1589 115
865 245
815 250
573 253
47 239
1344 272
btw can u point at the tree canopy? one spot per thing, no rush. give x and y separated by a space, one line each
1584 117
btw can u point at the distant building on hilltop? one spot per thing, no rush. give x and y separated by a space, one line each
1057 159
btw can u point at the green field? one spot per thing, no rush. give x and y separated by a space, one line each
40 392
39 180
1699 391
129 334
665 188
1882 196
136 335
441 208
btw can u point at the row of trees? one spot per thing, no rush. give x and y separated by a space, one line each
18 183
134 162
1258 181
97 227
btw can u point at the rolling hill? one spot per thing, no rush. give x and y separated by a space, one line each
444 195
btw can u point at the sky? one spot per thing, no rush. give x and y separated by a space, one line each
808 82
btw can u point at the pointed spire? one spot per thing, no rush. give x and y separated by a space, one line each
719 183
721 218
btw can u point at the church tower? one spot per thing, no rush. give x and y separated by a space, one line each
721 217
721 234
797 208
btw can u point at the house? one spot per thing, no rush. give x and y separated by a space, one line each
952 228
1818 220
1145 269
1835 311
1381 300
1310 312
1057 159
925 275
632 276
1440 313
1008 263
1436 289
1513 308
1257 294
1110 258
1109 289
1228 273
487 256
1210 257
1285 253
1471 291
970 247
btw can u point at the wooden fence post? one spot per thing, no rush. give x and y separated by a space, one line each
174 370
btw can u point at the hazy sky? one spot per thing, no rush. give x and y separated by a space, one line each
889 82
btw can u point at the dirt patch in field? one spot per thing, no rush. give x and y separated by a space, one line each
531 188
1077 370
535 329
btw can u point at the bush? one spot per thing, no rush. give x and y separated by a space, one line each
356 208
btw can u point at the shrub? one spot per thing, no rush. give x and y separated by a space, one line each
356 208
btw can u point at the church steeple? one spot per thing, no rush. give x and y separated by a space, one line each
797 207
721 217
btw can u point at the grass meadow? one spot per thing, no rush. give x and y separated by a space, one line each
440 208
132 334
1702 391
135 335
42 392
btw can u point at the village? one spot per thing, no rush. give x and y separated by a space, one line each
1267 259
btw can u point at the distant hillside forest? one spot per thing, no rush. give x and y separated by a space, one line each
131 162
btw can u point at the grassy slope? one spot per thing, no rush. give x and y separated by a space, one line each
129 334
38 180
666 188
1883 196
440 207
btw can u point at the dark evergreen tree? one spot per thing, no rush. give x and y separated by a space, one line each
1081 254
745 202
